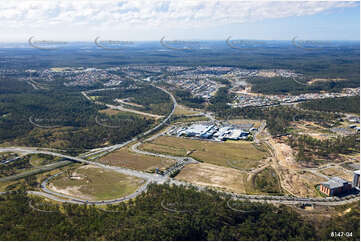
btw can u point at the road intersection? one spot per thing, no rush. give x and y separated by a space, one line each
148 177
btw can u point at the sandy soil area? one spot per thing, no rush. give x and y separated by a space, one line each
221 177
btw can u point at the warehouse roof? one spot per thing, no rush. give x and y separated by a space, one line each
334 182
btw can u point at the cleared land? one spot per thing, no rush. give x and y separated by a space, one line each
125 158
243 154
223 178
183 110
294 181
335 171
94 183
182 119
312 129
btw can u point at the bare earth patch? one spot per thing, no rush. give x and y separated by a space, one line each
204 174
183 110
292 178
95 183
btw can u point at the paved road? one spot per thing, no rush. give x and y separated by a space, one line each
329 201
10 160
70 199
152 177
100 151
36 170
118 146
119 107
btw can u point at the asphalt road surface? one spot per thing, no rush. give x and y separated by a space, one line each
151 178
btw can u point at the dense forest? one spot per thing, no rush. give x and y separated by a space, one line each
58 119
341 104
153 216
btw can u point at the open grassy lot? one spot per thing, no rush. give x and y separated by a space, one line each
242 153
183 110
94 183
125 158
185 119
304 184
223 178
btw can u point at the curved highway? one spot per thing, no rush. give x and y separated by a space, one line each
152 178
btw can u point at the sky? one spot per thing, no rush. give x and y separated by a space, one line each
136 20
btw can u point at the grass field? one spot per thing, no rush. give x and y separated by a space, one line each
125 158
242 154
184 119
94 183
223 178
183 110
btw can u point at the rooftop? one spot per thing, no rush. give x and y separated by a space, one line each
334 182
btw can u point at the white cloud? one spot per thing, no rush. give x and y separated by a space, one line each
130 14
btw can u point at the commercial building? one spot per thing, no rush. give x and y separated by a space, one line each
200 130
335 186
356 180
212 131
